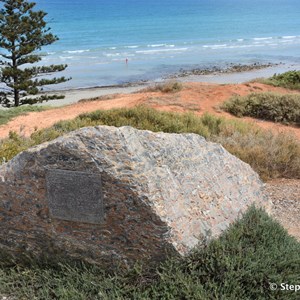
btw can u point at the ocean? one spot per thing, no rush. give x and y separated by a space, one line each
160 37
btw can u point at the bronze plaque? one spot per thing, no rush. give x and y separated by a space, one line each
75 196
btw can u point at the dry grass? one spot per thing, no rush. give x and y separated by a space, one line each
271 155
101 98
171 86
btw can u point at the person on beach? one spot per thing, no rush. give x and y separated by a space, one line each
126 60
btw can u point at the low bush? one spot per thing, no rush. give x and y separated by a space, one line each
251 254
13 145
165 87
290 80
268 106
271 155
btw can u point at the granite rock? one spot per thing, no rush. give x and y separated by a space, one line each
157 193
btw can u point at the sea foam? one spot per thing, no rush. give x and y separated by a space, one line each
76 51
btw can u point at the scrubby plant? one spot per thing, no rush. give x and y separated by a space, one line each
271 155
268 106
170 86
290 80
13 145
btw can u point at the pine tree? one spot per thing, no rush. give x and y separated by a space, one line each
23 32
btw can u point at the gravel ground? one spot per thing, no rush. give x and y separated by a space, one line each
285 196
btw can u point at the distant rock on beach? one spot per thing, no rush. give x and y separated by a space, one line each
108 195
230 68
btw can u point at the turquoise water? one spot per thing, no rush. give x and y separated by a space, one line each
159 37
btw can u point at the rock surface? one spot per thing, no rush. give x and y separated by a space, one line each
159 193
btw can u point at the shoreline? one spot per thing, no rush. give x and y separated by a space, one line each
228 69
232 74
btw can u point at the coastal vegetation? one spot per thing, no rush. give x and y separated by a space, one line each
252 257
267 106
271 155
8 114
289 80
170 86
23 32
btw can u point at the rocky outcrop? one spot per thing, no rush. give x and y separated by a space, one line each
107 194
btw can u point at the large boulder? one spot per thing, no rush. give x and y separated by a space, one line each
107 195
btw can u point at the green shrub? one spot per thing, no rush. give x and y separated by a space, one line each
290 80
252 253
268 106
269 154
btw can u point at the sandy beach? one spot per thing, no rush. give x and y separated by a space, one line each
75 95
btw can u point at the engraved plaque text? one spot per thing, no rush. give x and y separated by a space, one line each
75 196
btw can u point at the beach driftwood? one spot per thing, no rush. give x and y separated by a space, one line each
108 195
